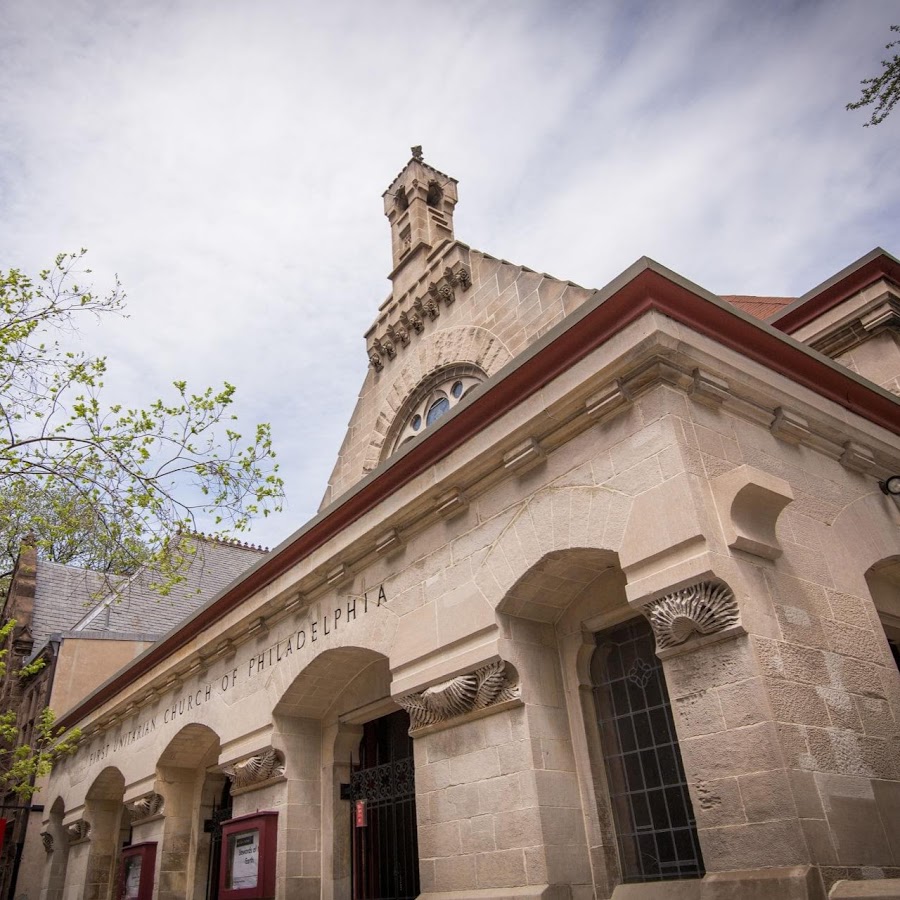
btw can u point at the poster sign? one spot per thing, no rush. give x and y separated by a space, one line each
132 877
247 870
359 814
136 870
244 857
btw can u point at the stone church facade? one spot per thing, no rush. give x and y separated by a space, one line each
600 603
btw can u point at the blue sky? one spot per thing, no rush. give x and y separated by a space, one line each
227 159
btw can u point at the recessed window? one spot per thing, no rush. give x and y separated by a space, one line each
436 402
654 819
435 194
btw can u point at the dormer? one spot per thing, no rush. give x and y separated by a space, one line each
419 205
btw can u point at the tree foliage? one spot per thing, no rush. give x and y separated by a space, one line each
883 90
110 486
22 762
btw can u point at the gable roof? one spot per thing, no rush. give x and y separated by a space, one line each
62 594
66 597
644 287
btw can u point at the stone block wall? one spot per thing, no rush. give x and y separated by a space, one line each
504 311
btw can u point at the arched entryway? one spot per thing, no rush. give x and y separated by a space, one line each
56 843
883 580
385 850
345 740
589 668
98 844
191 794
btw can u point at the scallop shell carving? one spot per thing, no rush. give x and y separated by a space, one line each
256 769
480 689
79 830
147 806
703 608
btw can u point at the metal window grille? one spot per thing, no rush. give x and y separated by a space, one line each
385 850
655 827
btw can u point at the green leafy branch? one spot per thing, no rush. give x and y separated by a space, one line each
884 89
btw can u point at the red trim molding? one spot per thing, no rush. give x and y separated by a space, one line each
647 289
837 290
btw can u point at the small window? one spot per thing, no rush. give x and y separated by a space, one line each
436 401
437 409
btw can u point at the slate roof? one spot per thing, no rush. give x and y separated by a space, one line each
62 595
66 597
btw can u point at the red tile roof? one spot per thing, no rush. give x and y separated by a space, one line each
759 307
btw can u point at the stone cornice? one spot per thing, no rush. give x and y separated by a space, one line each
854 278
857 328
406 320
644 289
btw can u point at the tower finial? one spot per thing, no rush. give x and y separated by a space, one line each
417 153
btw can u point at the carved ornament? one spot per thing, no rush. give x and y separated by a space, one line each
428 308
78 830
385 346
412 321
145 807
47 841
255 770
398 333
703 608
483 688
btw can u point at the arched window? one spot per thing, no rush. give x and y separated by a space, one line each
436 399
653 817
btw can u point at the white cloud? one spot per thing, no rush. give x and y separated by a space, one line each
227 160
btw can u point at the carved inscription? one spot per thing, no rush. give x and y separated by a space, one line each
312 632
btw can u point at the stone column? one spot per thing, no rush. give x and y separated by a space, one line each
103 843
747 818
293 789
177 786
496 793
340 745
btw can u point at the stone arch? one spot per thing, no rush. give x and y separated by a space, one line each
318 742
58 852
431 353
863 534
883 580
316 689
189 748
188 795
555 520
109 829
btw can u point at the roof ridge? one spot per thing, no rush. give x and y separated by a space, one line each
226 541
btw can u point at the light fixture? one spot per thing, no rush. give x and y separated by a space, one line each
890 485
